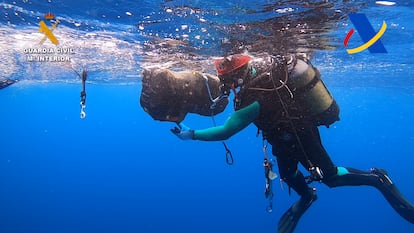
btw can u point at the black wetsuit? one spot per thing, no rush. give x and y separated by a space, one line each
295 139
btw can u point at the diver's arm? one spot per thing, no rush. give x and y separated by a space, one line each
239 120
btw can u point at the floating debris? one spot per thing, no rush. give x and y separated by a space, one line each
385 3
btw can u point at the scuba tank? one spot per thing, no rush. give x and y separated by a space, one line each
290 89
311 97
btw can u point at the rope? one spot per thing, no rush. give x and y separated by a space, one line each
285 108
83 78
229 154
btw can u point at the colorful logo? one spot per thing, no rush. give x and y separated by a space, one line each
371 39
48 32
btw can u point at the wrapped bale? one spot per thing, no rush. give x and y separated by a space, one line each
169 96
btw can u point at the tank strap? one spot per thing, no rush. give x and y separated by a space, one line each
312 83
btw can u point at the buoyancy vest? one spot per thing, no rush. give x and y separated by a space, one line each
288 89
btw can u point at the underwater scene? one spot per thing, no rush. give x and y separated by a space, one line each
96 97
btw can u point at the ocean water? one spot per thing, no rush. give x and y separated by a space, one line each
118 170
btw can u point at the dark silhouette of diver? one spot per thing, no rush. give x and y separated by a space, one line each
7 82
286 99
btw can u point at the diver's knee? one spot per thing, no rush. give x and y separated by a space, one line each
330 181
331 178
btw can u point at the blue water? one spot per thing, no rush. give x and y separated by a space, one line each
118 170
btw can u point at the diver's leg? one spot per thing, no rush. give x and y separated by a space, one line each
315 152
295 179
340 176
379 179
292 176
288 151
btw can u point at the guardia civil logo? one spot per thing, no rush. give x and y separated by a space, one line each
48 32
43 51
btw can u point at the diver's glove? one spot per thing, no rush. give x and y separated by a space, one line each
183 132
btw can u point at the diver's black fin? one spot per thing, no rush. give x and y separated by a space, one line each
400 204
7 82
290 218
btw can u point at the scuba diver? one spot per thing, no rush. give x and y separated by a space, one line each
286 99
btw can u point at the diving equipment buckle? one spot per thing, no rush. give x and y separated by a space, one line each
316 174
269 177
